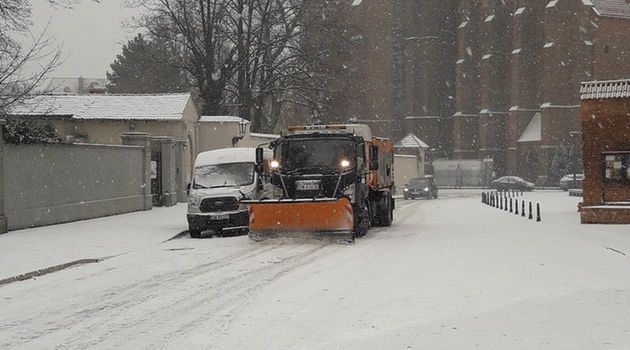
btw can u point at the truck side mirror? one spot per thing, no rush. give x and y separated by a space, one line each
373 157
259 156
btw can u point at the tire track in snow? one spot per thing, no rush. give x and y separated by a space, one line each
125 312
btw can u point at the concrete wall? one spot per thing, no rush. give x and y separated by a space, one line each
3 219
215 135
50 184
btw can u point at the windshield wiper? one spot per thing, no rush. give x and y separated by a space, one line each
323 169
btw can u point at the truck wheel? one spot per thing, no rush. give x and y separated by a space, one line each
362 222
388 212
194 233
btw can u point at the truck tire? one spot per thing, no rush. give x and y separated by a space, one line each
388 212
362 221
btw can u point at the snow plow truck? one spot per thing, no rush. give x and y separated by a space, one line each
329 180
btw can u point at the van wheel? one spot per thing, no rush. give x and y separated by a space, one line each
194 233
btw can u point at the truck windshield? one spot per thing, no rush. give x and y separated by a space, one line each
224 175
320 154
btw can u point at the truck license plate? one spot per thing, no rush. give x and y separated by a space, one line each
220 217
307 185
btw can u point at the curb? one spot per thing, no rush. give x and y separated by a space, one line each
47 270
179 235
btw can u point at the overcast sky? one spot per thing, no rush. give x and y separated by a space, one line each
92 34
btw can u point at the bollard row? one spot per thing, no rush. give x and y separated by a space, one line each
508 201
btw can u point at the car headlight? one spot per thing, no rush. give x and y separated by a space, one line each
194 201
426 189
406 189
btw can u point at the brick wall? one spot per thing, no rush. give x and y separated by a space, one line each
605 128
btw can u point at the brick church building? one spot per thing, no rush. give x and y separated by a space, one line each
482 78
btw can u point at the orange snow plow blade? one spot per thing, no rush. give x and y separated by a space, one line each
287 216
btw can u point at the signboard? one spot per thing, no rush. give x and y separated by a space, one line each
617 166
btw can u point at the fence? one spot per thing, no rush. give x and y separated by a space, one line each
50 184
460 173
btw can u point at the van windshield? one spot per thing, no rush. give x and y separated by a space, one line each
224 175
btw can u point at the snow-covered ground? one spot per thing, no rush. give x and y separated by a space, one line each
29 250
450 274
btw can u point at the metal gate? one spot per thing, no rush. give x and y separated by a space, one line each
156 178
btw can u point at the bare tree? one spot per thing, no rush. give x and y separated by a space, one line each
21 50
244 56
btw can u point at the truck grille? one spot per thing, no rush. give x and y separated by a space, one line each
218 204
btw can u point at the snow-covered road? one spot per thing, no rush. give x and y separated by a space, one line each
450 274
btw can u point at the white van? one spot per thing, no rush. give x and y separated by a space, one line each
221 179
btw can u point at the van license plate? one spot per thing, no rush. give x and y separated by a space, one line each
220 217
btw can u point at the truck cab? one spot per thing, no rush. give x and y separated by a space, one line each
221 180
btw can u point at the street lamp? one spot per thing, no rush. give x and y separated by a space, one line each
242 130
242 127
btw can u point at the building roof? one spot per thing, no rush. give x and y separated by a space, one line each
611 8
594 90
221 119
411 141
533 132
105 106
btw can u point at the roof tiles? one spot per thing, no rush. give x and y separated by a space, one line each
595 90
96 106
612 8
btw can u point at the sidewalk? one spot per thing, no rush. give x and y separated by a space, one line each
33 249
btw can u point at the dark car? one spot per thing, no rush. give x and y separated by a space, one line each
512 183
421 187
571 181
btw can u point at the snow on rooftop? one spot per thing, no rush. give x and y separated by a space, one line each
227 155
612 8
533 132
605 89
411 141
105 106
264 136
221 119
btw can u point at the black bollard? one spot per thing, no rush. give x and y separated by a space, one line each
501 205
511 208
531 217
516 207
538 212
506 204
523 209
